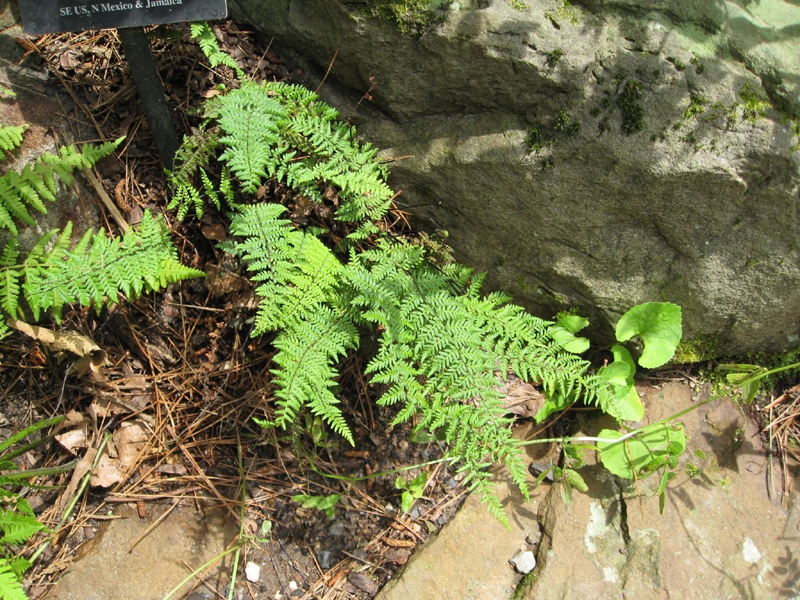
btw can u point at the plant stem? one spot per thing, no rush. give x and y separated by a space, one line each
200 568
44 471
74 500
28 430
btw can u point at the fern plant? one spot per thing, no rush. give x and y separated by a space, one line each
17 524
283 132
39 182
17 520
97 270
444 348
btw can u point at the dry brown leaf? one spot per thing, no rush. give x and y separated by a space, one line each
130 439
397 555
106 404
91 355
214 232
521 398
172 469
220 281
70 59
73 439
362 582
77 474
107 472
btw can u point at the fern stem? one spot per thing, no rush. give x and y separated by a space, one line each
44 471
27 431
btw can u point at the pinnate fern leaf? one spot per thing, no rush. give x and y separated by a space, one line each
298 294
208 44
10 585
249 120
38 182
192 159
17 528
11 137
97 270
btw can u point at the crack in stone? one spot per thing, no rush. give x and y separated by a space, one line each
623 518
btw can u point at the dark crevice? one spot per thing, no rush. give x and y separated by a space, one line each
623 518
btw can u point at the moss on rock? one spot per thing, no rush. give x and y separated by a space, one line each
409 16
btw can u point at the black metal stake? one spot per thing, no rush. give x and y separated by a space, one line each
151 91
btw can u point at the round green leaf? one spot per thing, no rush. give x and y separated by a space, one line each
573 323
621 354
626 404
621 458
659 325
617 373
569 342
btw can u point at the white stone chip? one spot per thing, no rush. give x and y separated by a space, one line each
252 571
751 553
524 562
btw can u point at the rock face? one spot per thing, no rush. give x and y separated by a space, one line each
38 107
596 156
720 535
724 533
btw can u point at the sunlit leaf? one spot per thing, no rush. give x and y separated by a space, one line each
659 325
639 452
576 480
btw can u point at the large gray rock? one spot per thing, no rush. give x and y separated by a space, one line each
39 108
651 198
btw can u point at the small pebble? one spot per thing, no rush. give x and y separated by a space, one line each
324 557
337 528
360 554
252 571
524 562
292 585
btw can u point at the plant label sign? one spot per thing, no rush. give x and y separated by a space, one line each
57 16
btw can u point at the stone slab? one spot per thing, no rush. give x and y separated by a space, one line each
721 535
182 542
468 559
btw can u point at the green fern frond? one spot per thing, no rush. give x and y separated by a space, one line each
298 294
308 351
442 345
11 137
208 44
17 528
10 585
97 270
192 158
249 119
38 182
